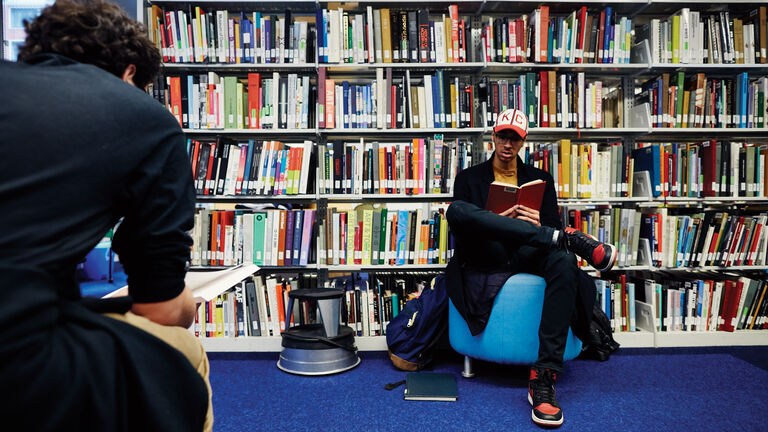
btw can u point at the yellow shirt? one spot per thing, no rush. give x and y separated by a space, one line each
505 176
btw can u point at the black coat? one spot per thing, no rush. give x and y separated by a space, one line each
481 266
79 150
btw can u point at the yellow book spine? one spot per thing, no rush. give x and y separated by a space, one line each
367 232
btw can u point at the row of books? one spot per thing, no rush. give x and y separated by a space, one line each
719 303
255 167
210 101
417 167
552 99
704 169
582 36
258 306
197 36
678 169
698 101
696 37
709 303
660 239
705 239
582 170
399 101
383 35
270 237
384 235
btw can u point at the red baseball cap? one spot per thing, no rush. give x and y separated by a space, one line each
512 119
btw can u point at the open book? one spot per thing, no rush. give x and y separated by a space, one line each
502 196
206 285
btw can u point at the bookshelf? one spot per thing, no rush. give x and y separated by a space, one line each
638 127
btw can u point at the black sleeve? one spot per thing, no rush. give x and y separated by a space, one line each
549 213
157 202
461 189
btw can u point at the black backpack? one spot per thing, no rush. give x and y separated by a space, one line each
599 344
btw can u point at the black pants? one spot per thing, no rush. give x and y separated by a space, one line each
570 293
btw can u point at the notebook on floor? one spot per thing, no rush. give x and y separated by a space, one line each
430 387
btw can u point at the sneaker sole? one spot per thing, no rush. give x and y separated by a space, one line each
542 422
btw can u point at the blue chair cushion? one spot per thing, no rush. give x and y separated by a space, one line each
512 333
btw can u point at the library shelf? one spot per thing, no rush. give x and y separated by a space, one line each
401 131
253 132
240 67
615 69
439 197
256 198
373 268
371 67
635 339
262 269
243 344
717 338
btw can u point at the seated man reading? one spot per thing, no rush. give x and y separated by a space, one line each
491 247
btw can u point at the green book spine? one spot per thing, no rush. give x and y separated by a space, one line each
383 236
259 224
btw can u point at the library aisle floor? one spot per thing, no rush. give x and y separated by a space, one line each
684 389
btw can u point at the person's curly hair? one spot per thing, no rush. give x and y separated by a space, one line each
96 32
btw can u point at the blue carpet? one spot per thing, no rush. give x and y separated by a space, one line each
637 390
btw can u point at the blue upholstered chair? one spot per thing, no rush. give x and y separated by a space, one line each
512 333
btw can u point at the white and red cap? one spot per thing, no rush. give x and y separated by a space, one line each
514 120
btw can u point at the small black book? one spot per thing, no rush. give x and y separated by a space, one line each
430 387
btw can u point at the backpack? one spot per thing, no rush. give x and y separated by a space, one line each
599 344
414 332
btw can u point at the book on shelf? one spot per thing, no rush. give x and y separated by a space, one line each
687 304
226 167
705 101
396 235
430 386
201 35
419 166
269 237
397 101
209 101
384 35
700 37
503 196
555 99
582 36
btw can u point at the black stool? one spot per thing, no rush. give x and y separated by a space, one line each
322 348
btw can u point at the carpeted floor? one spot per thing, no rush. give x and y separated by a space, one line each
709 389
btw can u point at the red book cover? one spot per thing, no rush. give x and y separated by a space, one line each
582 33
544 98
280 305
176 98
241 169
543 36
254 102
358 243
732 305
210 187
195 155
227 219
502 196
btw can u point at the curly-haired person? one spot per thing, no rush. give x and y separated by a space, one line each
82 146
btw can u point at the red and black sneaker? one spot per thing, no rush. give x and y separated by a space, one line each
601 256
541 395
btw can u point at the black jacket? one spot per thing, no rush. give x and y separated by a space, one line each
79 150
481 265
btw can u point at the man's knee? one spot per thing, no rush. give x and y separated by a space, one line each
561 261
